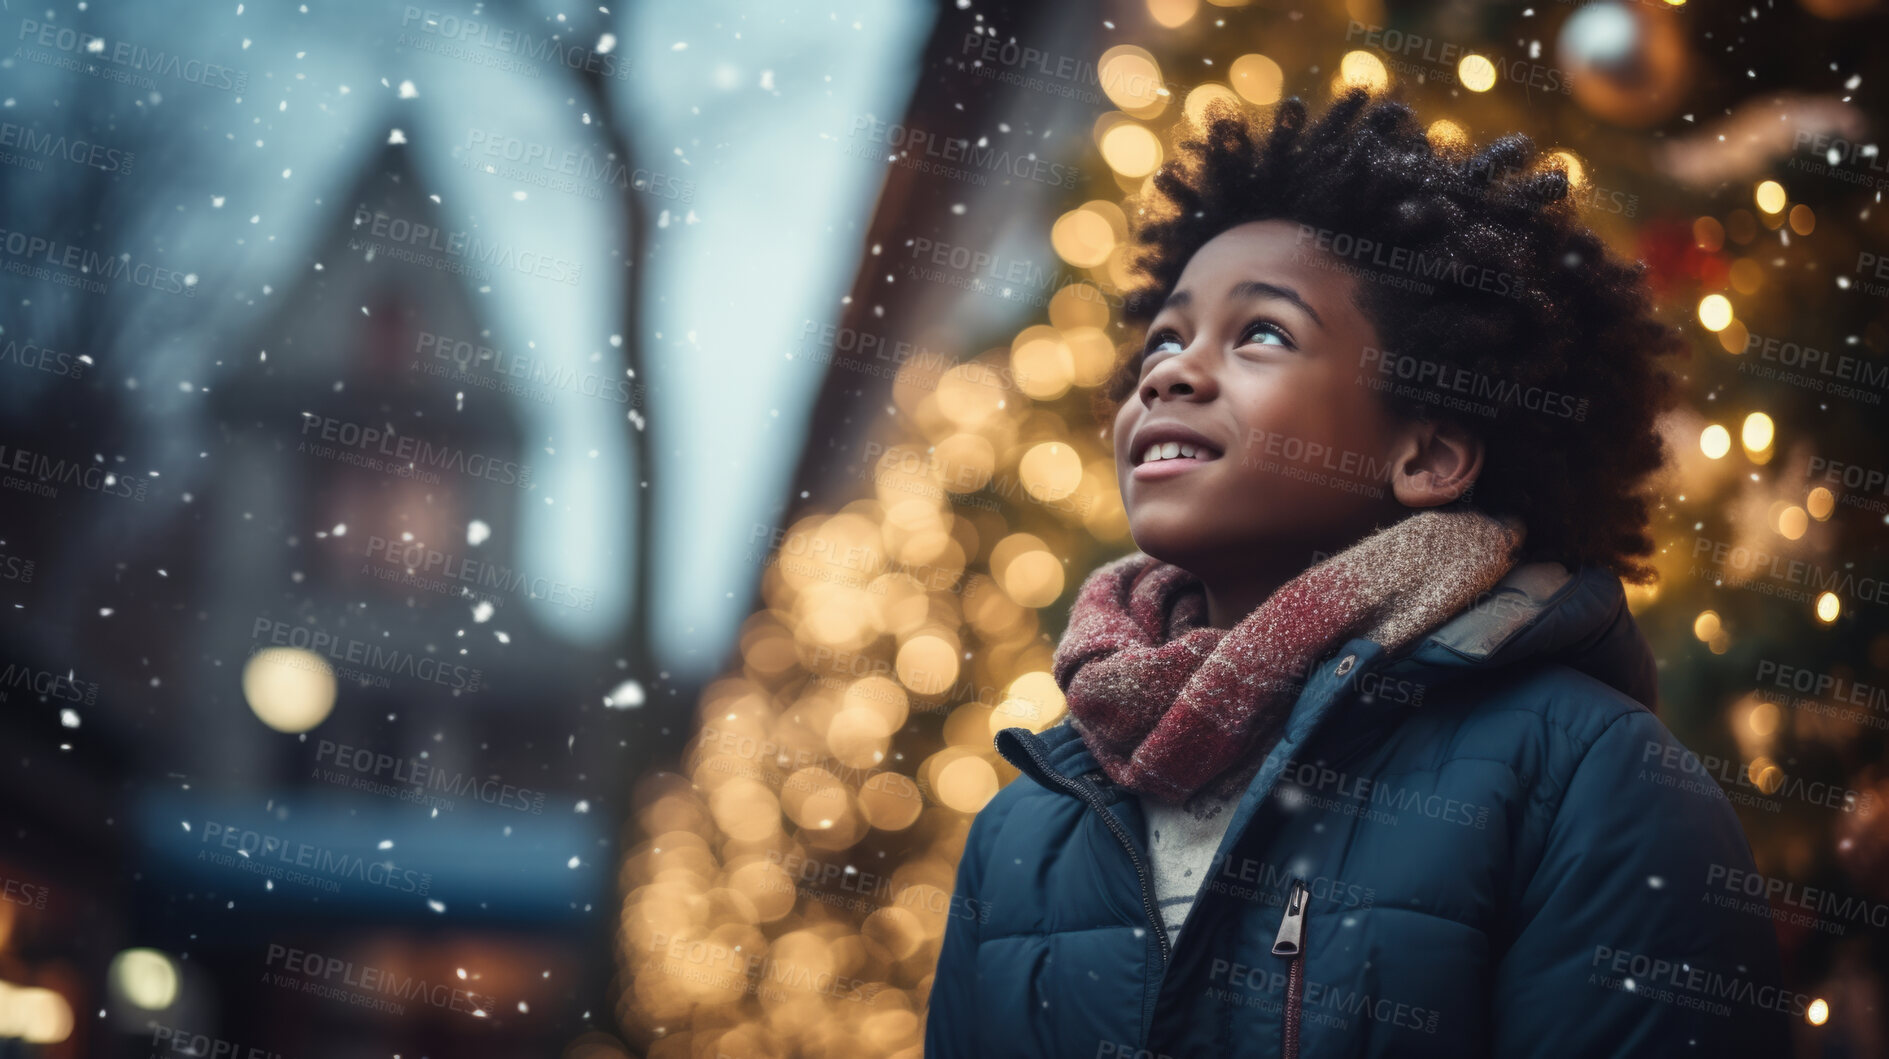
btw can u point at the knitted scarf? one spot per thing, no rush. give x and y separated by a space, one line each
1170 705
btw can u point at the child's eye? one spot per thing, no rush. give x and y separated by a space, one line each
1160 339
1267 333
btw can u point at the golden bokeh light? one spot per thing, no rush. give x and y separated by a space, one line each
1050 472
1208 97
1770 196
1793 522
1820 503
1763 719
1034 579
1706 626
1257 79
1082 237
1715 441
966 784
1042 364
289 689
1818 1012
1715 311
1758 432
1570 163
1360 69
1131 78
1476 73
1131 149
1829 608
146 977
1172 13
927 664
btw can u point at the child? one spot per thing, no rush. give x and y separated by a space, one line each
1360 756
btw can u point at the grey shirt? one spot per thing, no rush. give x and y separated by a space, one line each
1182 840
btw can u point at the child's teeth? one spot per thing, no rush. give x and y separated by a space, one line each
1170 450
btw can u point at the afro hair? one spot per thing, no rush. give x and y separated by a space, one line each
1498 309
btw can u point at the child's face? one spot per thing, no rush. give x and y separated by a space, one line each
1257 351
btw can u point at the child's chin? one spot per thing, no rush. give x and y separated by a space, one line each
1166 535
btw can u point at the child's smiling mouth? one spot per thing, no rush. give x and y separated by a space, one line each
1163 450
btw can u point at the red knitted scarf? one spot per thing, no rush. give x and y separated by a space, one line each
1170 705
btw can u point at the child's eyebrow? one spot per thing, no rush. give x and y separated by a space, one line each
1251 288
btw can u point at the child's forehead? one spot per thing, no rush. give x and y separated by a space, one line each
1270 251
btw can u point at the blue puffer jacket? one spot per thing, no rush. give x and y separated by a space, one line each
1485 846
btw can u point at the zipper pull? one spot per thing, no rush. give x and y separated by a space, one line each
1291 939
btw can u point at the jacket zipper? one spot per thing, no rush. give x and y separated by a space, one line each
1121 834
1291 943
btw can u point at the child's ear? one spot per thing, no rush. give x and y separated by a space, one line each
1434 462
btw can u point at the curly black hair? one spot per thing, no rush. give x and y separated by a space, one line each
1499 309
